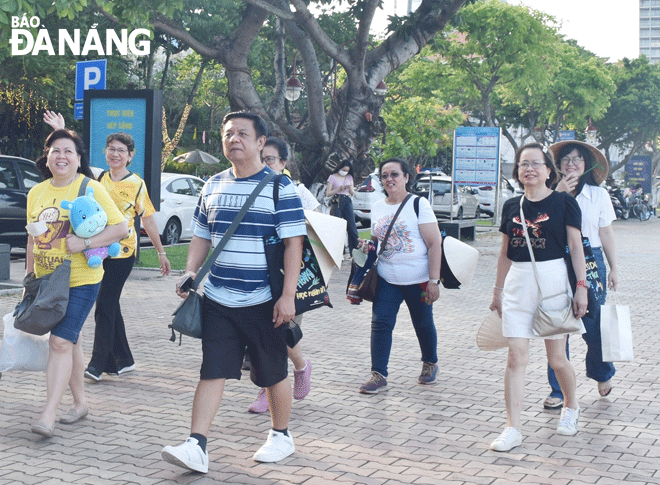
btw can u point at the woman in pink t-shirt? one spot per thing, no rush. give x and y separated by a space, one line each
340 189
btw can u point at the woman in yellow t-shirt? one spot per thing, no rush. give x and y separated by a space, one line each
112 353
64 165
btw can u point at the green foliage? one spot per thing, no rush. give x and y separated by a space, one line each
496 44
633 117
419 126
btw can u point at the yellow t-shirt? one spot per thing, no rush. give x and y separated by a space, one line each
131 197
43 204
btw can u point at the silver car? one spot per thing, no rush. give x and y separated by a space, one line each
464 204
486 196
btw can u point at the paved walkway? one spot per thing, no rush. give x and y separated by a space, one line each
409 434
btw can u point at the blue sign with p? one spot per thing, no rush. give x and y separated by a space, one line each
90 75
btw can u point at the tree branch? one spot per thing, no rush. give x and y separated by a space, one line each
364 27
407 41
306 20
165 25
268 7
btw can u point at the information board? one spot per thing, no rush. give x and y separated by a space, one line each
135 112
638 171
476 156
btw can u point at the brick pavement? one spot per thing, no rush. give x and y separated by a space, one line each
410 434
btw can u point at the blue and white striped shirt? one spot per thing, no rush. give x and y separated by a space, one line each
239 277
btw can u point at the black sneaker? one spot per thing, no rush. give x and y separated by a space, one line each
93 374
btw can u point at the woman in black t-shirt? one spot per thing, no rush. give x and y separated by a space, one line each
553 222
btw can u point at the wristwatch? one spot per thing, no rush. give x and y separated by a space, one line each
437 282
87 243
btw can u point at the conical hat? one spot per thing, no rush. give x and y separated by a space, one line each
326 233
461 259
601 170
489 336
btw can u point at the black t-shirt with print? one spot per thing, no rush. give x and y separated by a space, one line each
546 224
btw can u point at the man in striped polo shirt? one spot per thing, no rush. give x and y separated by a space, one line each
239 310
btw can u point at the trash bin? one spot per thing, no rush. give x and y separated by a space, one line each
5 256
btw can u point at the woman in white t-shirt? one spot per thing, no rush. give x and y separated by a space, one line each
408 270
584 168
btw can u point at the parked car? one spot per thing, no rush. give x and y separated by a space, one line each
369 192
17 177
486 196
179 194
464 204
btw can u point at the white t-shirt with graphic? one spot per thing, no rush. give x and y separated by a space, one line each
405 258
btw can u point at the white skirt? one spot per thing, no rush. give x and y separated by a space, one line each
520 297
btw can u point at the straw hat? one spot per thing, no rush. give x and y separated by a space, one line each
602 169
459 262
489 336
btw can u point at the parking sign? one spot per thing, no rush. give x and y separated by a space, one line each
90 75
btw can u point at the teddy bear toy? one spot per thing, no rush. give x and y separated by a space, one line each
87 219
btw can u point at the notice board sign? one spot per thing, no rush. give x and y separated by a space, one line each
476 156
136 112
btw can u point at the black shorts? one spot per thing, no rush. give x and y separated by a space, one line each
227 332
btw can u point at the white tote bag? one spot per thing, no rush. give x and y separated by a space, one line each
22 351
616 333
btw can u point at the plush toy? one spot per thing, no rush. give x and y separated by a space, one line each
87 219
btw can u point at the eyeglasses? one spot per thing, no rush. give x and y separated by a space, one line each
393 175
113 150
536 164
575 160
271 160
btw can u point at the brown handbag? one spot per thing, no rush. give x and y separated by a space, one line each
369 286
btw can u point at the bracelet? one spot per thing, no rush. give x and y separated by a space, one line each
162 254
498 287
581 283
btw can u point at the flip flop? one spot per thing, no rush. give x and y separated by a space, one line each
604 388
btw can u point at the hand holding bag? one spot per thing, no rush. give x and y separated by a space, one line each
22 351
369 286
616 332
546 323
188 315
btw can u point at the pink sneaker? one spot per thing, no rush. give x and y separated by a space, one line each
261 404
302 381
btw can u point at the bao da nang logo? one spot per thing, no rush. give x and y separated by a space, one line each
24 42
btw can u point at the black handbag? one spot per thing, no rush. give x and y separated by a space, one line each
45 300
188 315
369 286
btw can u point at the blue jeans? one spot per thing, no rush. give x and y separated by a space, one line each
385 309
344 209
596 369
81 301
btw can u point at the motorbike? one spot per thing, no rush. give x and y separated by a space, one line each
621 209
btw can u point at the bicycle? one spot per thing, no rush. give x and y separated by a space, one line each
640 209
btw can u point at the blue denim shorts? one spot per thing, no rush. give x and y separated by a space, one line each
81 301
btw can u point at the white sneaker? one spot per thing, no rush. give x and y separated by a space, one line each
187 455
277 447
509 439
568 421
